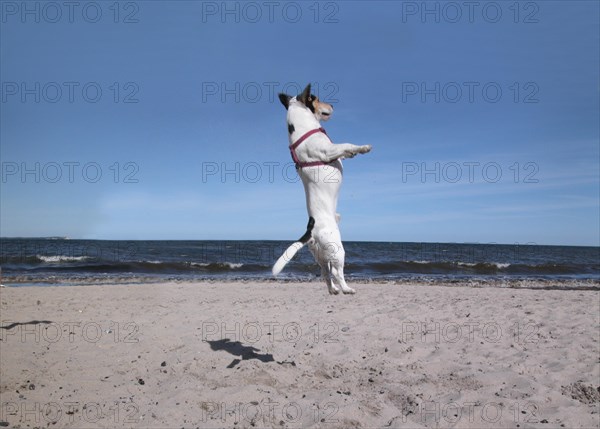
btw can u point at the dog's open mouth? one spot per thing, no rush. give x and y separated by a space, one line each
325 113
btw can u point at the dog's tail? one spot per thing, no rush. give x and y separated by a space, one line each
293 249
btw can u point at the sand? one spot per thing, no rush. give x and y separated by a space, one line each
289 355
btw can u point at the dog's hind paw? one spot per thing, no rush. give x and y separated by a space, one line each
365 149
349 291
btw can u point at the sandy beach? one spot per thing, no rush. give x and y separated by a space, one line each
281 355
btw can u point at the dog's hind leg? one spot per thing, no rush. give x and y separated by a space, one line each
326 274
329 252
337 272
325 268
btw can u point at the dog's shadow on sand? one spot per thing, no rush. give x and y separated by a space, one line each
238 349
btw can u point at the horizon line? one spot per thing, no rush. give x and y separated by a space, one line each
54 237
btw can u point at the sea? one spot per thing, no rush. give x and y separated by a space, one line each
61 261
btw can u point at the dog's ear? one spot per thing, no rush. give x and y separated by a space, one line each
305 96
285 100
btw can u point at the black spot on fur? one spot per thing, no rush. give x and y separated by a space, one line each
310 104
309 228
305 97
291 128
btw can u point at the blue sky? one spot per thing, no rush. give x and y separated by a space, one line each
159 120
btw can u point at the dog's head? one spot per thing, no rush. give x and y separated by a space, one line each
322 111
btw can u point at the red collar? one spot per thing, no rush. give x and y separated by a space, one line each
298 142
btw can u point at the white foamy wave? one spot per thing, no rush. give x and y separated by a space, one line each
231 265
234 265
61 258
499 265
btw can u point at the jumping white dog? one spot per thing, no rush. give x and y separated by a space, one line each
319 165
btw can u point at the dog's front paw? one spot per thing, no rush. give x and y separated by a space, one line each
365 149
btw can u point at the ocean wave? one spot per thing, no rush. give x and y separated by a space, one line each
499 265
476 268
61 258
106 261
87 264
90 265
34 260
230 265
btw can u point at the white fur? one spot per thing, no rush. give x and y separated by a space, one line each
321 185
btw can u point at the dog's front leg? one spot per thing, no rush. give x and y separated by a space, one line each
344 150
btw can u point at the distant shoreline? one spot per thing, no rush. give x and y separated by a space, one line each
532 284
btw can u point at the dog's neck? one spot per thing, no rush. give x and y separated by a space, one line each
300 121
